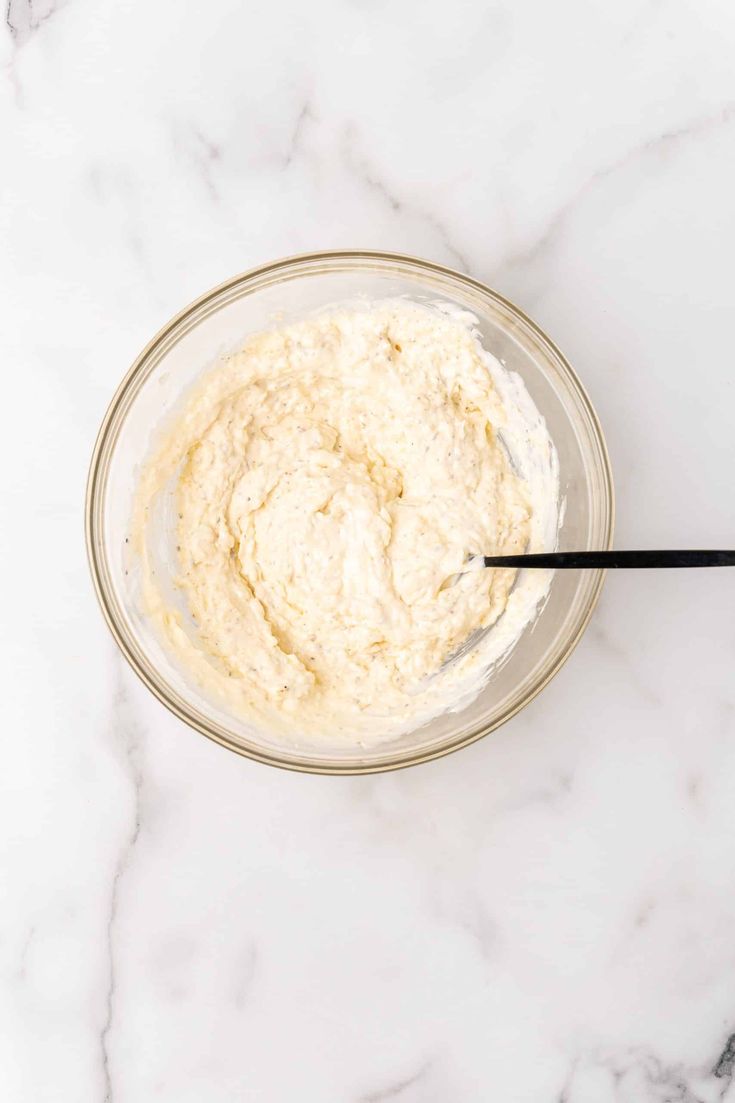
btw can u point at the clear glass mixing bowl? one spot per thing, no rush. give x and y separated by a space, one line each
216 322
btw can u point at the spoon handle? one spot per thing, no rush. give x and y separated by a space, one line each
607 559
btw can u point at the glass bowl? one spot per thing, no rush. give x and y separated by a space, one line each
219 320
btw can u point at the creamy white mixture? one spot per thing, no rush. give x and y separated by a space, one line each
328 479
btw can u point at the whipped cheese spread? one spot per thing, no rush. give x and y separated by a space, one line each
327 479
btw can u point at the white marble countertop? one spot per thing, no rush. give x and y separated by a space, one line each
548 915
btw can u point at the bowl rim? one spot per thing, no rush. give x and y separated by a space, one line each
94 544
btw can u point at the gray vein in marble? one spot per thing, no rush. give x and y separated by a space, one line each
25 950
359 166
127 732
555 789
196 149
306 115
24 17
726 1063
245 975
108 185
694 788
638 923
209 154
397 1088
652 147
664 1082
564 1096
644 913
670 1079
623 658
483 929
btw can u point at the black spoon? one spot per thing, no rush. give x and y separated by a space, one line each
610 559
598 560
